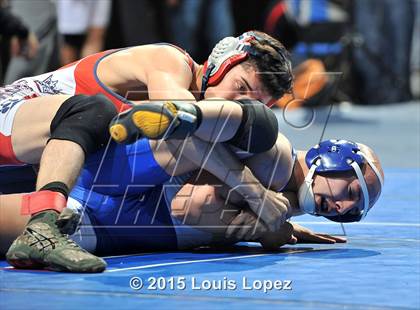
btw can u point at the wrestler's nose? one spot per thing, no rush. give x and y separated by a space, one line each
332 205
343 206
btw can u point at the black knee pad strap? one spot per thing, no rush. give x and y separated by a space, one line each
84 120
58 187
186 127
258 130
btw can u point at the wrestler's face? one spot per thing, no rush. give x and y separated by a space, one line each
239 82
339 194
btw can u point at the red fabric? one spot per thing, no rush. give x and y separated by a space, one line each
275 14
271 103
7 155
41 201
225 67
189 58
87 84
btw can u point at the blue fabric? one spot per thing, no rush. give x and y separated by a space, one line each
122 169
334 156
320 49
185 20
120 189
383 60
128 224
319 10
17 179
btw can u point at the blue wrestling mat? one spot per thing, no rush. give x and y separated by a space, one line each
379 267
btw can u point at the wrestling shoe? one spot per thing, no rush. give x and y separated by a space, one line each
45 244
155 120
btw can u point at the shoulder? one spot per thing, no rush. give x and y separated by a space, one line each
162 54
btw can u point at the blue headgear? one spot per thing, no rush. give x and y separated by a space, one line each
335 156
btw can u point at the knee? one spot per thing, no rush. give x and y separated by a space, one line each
258 130
84 120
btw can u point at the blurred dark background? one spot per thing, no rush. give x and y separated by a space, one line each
372 45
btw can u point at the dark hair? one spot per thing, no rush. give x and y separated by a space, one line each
272 62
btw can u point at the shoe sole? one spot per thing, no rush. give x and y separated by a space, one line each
23 261
139 122
59 268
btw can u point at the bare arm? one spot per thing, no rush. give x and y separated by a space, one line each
219 161
168 76
166 73
273 167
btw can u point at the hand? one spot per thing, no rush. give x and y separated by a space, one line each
245 227
273 240
274 209
27 47
304 235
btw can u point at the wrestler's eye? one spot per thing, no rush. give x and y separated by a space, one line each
241 87
324 205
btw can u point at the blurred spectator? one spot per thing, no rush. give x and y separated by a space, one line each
23 43
382 55
314 31
40 16
368 42
82 24
249 14
321 24
415 53
194 22
139 21
280 23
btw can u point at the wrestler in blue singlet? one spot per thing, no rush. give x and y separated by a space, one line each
136 219
120 190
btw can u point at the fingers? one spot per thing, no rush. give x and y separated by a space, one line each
272 209
256 231
234 226
323 240
315 238
273 218
293 240
245 226
14 47
304 235
335 238
33 46
272 241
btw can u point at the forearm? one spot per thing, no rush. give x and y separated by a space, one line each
220 162
217 120
273 167
220 120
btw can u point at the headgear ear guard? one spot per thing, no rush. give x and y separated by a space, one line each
335 156
229 52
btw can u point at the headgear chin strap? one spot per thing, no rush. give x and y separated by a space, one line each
229 52
335 156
